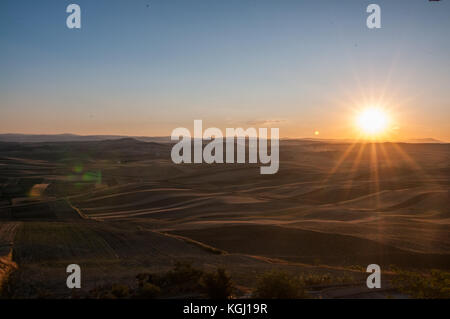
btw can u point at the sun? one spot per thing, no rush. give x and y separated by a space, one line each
372 121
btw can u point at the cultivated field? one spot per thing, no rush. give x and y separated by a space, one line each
119 208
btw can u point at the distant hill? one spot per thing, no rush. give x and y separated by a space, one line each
51 138
44 138
424 140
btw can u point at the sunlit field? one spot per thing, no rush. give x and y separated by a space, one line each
119 210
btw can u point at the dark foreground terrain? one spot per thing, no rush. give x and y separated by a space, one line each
120 208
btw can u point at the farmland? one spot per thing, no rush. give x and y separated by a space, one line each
120 208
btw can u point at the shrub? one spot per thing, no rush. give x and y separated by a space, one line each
217 285
309 280
183 273
17 285
115 291
148 291
144 278
183 278
434 285
315 279
279 285
120 291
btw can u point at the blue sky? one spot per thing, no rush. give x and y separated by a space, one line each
305 65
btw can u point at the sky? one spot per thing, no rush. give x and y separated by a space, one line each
144 68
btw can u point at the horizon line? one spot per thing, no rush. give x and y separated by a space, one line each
346 139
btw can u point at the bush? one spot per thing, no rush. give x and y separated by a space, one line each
182 274
182 279
435 285
279 285
217 285
120 291
115 291
17 285
309 280
315 279
8 287
148 291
